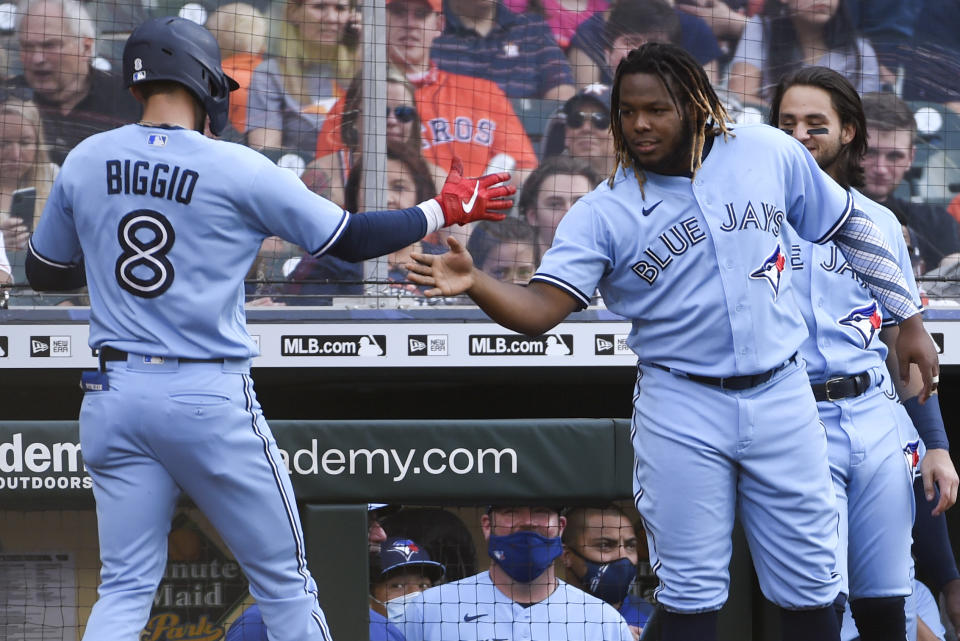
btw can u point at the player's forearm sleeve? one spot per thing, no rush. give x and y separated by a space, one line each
45 275
377 233
931 541
864 247
929 422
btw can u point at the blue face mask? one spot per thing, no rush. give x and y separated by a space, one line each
524 555
609 582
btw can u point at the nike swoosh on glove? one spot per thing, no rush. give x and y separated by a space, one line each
464 200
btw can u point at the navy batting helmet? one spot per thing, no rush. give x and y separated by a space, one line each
180 50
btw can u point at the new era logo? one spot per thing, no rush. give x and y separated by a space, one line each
427 345
39 346
4 346
49 346
610 345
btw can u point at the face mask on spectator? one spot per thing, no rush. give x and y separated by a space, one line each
524 555
608 581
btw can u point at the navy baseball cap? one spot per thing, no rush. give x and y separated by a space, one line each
400 552
597 92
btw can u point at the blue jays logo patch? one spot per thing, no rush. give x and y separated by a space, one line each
865 321
406 547
911 453
771 270
157 140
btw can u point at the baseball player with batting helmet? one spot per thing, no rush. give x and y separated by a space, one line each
685 240
869 433
165 222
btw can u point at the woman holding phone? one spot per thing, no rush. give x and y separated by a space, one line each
26 175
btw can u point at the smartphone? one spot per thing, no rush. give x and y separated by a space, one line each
23 204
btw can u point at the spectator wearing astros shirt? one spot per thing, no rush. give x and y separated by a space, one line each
460 115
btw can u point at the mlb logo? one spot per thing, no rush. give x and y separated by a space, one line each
140 75
157 140
4 346
938 341
511 50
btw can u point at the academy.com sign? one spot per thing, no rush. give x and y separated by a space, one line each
41 466
37 465
397 463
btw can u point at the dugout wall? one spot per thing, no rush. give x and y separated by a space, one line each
49 559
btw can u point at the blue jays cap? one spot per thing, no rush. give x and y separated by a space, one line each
399 552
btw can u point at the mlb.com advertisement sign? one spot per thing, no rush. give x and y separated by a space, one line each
370 345
515 345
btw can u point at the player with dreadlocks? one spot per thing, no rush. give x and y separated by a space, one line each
705 119
686 241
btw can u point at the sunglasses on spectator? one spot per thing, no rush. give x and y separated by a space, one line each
577 118
403 113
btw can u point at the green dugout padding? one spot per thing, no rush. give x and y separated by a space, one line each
337 467
343 462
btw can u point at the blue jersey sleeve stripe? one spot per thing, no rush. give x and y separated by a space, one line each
47 261
565 286
890 321
847 210
344 221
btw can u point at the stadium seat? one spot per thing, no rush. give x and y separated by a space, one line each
534 115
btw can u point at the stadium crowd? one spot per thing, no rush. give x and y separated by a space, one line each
502 84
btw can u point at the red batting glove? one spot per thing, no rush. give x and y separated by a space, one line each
464 200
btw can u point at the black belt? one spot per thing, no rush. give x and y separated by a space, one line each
732 382
108 354
841 387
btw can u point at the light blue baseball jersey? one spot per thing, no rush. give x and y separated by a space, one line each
169 211
473 609
698 266
841 314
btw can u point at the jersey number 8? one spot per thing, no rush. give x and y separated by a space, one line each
143 268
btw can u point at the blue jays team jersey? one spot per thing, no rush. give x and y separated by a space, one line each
698 266
473 609
841 314
168 222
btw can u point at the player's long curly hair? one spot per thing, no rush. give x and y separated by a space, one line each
846 102
690 90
